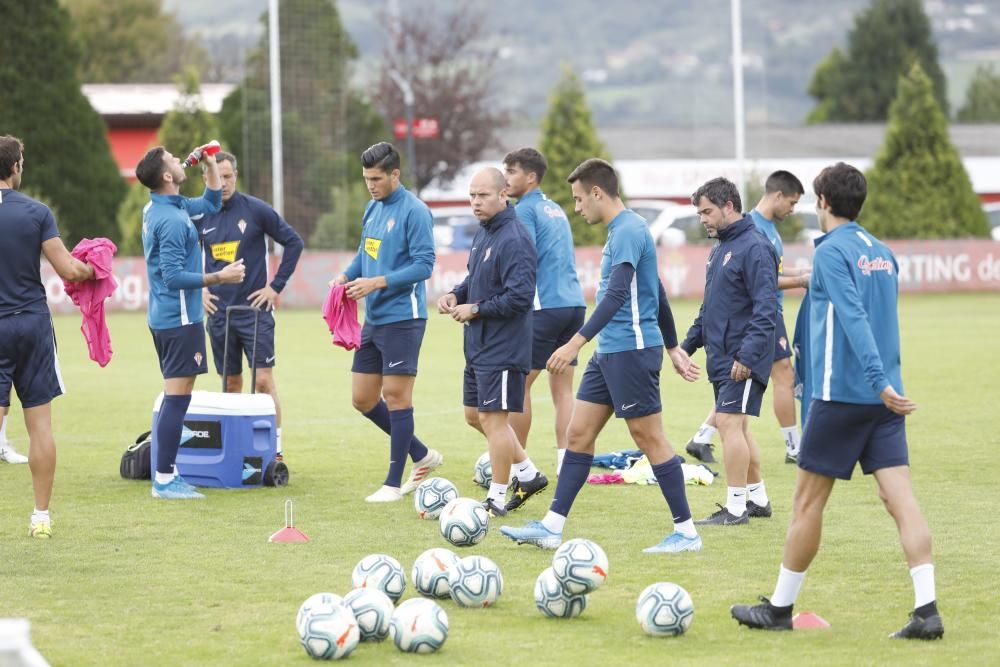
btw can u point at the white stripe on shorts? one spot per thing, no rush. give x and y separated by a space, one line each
503 390
746 395
55 360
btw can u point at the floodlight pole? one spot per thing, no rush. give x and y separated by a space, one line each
739 117
277 159
411 151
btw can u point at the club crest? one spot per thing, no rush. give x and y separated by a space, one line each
487 255
198 357
783 342
389 225
725 260
242 224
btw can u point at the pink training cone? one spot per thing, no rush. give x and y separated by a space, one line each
289 533
807 620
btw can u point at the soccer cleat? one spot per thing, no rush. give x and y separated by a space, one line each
791 458
533 532
387 494
11 455
521 492
701 451
493 509
723 517
764 616
41 530
175 489
420 470
674 543
183 482
921 628
759 511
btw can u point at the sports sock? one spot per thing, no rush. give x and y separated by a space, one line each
923 584
525 471
576 467
164 477
792 437
168 430
277 438
670 477
686 528
927 610
757 493
418 450
3 429
39 516
787 588
560 453
401 433
736 500
497 493
705 434
553 522
379 415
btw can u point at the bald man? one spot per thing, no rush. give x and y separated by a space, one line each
494 302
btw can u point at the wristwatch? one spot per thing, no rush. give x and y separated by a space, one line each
475 309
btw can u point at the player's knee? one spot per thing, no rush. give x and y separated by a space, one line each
472 418
363 404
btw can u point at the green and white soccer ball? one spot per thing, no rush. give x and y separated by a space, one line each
430 572
464 522
432 495
329 632
482 473
475 581
553 600
381 572
372 610
314 601
664 610
580 565
419 625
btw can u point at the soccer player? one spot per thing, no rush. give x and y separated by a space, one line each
782 191
735 325
559 307
176 276
395 257
28 360
633 322
858 409
239 231
494 301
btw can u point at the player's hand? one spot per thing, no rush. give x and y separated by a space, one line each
209 160
447 302
263 298
208 301
739 372
686 368
233 272
901 405
359 288
804 280
339 280
563 357
463 313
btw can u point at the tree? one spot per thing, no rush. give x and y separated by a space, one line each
453 77
569 138
918 187
859 85
188 126
982 97
67 159
129 220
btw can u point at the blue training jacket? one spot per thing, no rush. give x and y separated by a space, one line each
557 285
501 280
853 323
737 317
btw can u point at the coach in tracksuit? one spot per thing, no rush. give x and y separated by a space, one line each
495 301
736 327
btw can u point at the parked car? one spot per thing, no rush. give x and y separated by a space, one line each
992 211
454 228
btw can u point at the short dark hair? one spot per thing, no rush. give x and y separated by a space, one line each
596 171
382 155
11 149
529 160
150 169
844 188
719 191
222 156
784 182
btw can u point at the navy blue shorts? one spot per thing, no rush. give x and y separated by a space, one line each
782 346
181 350
838 435
241 340
742 397
389 349
627 381
493 390
552 328
28 360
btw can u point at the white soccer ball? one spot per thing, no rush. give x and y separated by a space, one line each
464 522
380 572
430 572
664 610
482 473
475 581
432 495
329 632
553 600
314 601
419 626
372 610
580 565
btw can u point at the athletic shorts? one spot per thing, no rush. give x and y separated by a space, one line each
628 381
181 350
241 340
389 349
494 390
28 360
782 346
551 329
742 397
838 435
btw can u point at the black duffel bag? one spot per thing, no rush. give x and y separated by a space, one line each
135 461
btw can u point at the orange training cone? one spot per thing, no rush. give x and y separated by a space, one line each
289 533
806 620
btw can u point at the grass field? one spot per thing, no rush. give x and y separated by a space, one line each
129 580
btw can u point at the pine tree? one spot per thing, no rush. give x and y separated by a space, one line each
982 97
569 138
188 126
67 158
917 187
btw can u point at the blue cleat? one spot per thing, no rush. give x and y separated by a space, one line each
533 532
184 483
675 543
175 489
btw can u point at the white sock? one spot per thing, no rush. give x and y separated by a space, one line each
3 429
560 455
39 516
164 477
787 588
923 584
554 522
736 500
686 528
526 470
705 434
757 494
277 437
793 438
498 493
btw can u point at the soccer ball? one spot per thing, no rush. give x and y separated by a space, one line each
464 522
381 572
482 474
430 572
372 610
314 601
553 600
580 565
475 581
432 495
329 632
419 626
664 610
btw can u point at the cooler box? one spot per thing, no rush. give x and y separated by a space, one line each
228 441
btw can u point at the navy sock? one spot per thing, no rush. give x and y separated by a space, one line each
381 417
572 477
670 477
927 610
168 430
399 444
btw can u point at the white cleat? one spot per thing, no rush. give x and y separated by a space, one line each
420 470
387 494
11 455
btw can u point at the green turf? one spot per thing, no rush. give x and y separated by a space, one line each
128 580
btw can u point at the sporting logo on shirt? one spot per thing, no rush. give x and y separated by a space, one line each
224 252
389 225
372 247
554 212
242 224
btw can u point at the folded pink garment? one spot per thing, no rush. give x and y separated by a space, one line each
606 478
89 295
341 315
